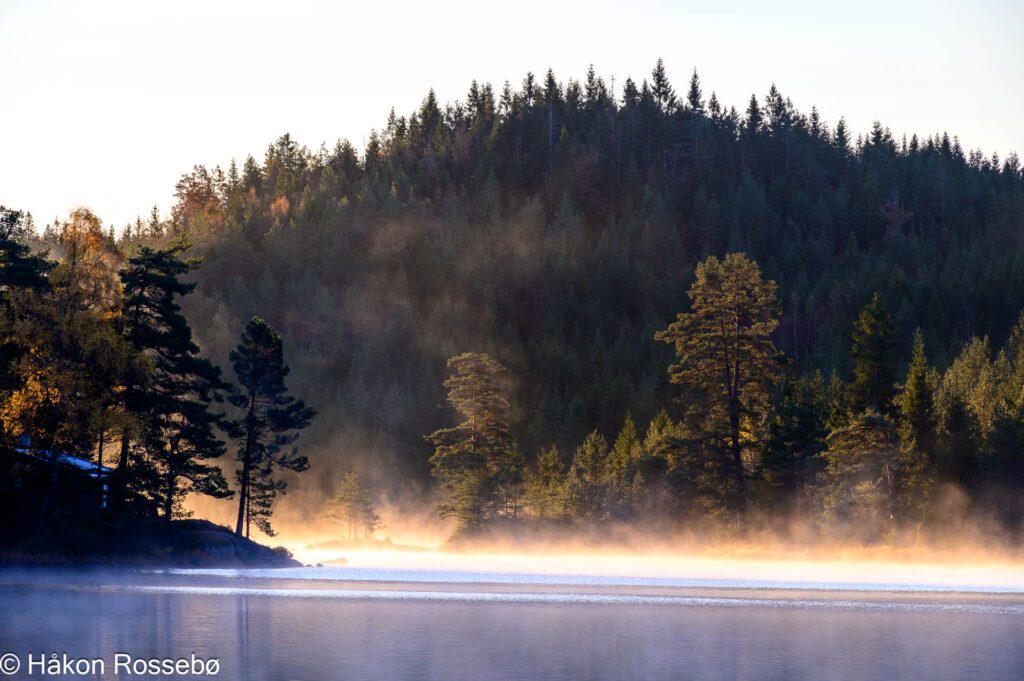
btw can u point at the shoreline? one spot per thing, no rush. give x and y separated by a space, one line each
134 543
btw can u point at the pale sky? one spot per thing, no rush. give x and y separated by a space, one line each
107 103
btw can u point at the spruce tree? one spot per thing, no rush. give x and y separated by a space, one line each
796 437
959 443
918 425
664 93
695 96
874 361
841 139
268 426
754 120
917 400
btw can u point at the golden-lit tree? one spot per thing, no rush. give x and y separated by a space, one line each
89 260
727 363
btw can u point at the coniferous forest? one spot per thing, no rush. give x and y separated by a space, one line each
550 303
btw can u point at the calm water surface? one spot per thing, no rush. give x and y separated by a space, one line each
364 625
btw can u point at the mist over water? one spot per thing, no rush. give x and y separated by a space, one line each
577 572
625 602
368 623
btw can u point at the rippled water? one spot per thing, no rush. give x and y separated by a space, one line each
361 623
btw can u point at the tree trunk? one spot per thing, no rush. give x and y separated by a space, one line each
243 492
890 488
737 456
121 478
172 479
100 481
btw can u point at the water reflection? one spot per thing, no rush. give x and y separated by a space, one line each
260 636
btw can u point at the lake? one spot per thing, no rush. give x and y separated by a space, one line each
403 623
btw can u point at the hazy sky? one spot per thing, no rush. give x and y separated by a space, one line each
106 104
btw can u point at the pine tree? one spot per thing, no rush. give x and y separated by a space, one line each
476 458
264 488
269 423
172 401
727 363
814 123
1000 473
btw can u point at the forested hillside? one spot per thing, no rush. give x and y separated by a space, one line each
557 226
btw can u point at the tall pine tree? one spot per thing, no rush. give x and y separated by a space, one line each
270 422
727 363
172 399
